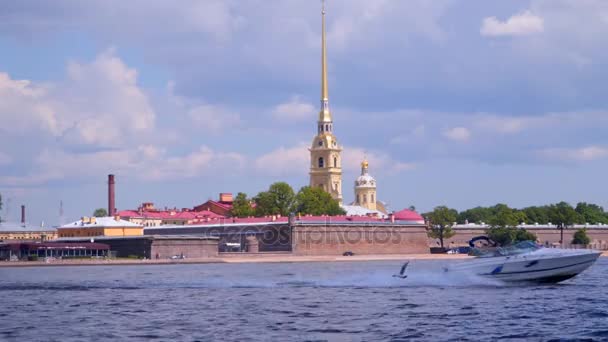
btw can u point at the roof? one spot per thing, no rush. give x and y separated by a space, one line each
408 215
107 221
168 214
7 227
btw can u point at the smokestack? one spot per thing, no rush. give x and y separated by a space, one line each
111 202
23 215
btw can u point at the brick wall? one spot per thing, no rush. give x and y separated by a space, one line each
599 237
359 239
195 248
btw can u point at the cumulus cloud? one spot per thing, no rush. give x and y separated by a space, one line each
524 23
99 103
457 134
146 162
285 161
583 154
214 118
294 110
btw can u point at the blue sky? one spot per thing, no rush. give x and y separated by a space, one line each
458 103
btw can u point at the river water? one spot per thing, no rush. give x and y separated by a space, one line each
345 301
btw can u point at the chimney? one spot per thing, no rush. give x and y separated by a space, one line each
111 200
23 215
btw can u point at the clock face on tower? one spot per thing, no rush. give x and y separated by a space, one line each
320 143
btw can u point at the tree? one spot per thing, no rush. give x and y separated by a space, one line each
279 199
580 237
475 215
241 206
591 213
505 236
505 217
441 220
100 212
563 215
316 201
537 214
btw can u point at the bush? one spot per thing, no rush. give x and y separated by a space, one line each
581 237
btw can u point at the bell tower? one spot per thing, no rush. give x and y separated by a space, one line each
325 152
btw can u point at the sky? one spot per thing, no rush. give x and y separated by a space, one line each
454 102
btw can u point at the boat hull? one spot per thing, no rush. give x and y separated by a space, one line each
546 266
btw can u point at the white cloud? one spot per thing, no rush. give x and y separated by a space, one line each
379 161
294 110
416 133
588 153
145 162
524 23
214 118
457 134
98 104
285 161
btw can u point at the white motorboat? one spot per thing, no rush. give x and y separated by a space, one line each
525 262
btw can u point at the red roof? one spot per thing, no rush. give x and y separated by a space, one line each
169 214
408 215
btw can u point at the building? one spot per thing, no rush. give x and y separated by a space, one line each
35 250
14 231
148 216
222 207
325 152
100 226
365 189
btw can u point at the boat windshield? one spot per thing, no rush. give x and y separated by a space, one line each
518 248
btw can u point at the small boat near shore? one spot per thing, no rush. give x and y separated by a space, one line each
524 262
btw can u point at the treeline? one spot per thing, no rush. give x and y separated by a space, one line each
503 215
503 220
280 199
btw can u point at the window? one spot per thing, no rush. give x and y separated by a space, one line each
364 198
326 127
358 199
320 161
372 198
335 162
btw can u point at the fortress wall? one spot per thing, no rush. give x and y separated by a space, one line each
598 236
336 239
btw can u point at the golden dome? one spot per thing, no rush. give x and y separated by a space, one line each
364 164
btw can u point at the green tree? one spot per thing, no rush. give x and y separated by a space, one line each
591 213
100 212
581 238
441 220
316 201
505 217
241 207
537 214
505 236
563 215
475 215
279 199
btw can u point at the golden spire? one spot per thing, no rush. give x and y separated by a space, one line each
324 114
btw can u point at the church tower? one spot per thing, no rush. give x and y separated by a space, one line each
365 189
325 158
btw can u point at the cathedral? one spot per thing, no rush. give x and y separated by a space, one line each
325 155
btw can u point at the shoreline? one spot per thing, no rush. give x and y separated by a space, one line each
234 259
237 259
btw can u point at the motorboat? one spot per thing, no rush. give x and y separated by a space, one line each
524 262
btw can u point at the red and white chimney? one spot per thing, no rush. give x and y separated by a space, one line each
111 199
